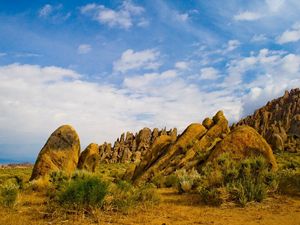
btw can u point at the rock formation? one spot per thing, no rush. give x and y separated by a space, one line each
243 142
197 144
89 159
278 122
132 147
61 152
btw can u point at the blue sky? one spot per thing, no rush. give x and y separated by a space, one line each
111 66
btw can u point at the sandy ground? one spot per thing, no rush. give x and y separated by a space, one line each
174 209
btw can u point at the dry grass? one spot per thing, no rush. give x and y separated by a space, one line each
174 209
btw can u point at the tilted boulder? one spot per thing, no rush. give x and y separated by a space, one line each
156 151
90 158
60 153
244 142
167 153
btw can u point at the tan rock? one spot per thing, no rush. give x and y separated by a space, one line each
60 153
90 158
243 142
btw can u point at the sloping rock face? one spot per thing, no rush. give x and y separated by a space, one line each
243 142
278 122
191 148
132 147
61 152
89 159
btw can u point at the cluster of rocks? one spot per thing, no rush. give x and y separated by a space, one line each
62 150
278 122
132 147
197 145
161 152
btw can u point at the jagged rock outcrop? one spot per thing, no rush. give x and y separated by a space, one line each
89 159
190 148
60 153
132 147
243 142
275 121
198 144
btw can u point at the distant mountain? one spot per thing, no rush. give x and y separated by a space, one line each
279 122
13 161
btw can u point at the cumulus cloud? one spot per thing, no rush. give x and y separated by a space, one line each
209 73
146 59
124 17
291 35
35 100
247 16
263 76
181 65
231 45
259 38
84 49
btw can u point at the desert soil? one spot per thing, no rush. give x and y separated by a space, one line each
174 209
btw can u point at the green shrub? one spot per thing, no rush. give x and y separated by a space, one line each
59 180
147 194
210 196
83 192
171 181
245 181
9 194
289 182
186 181
124 196
159 180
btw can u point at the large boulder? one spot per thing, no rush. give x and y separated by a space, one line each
90 158
243 142
60 153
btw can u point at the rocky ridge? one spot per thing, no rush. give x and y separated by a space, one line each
132 147
198 144
278 122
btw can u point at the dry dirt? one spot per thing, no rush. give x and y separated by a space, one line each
174 209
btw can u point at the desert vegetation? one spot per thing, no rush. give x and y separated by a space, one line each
89 196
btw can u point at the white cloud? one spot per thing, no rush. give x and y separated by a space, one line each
263 76
54 13
147 59
259 38
247 16
183 17
2 54
275 5
181 65
232 44
36 100
26 54
209 73
292 35
124 17
46 10
84 49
